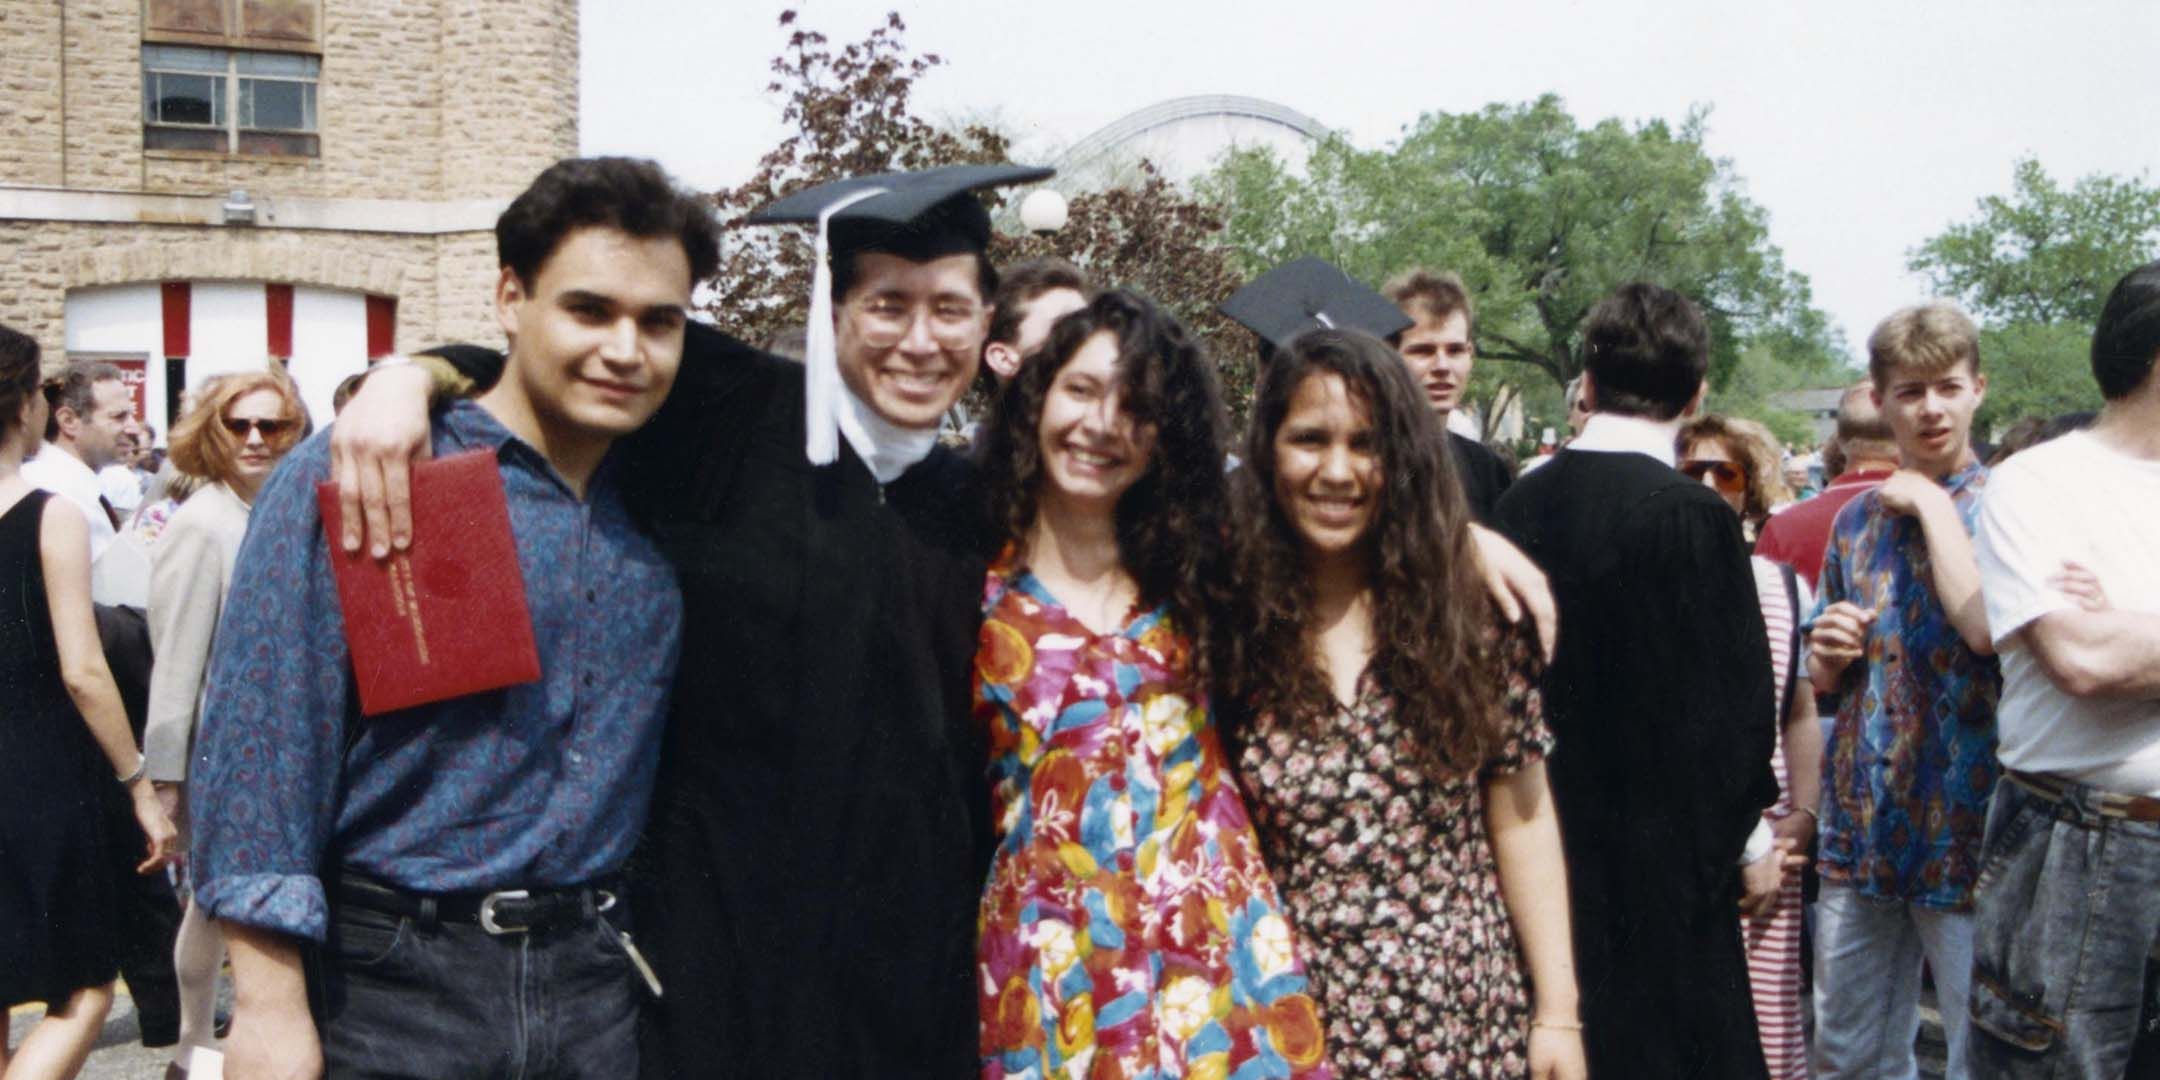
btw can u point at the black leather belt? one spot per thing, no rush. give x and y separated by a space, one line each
504 911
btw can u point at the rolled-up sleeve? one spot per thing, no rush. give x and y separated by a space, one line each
270 748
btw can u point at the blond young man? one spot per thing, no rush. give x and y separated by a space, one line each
1901 635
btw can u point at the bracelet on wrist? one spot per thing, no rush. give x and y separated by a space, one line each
1556 1025
142 762
1809 811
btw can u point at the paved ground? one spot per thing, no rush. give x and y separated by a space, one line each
120 1057
119 1054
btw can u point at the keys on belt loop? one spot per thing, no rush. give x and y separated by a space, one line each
487 912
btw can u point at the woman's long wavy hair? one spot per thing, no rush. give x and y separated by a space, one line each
1430 608
1171 522
200 444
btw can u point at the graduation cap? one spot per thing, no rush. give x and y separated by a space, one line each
916 215
1310 294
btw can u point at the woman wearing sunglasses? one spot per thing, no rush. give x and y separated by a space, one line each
240 427
1739 458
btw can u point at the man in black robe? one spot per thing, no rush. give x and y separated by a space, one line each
1660 700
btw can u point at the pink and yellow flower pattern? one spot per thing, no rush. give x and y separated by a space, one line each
1129 930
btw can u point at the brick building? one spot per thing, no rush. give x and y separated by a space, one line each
192 186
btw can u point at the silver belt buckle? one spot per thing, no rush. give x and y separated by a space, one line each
487 912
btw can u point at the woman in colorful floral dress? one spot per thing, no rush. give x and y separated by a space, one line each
1129 928
1390 734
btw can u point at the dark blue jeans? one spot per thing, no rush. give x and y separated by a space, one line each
2067 912
394 999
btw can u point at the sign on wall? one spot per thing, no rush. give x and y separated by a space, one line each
134 372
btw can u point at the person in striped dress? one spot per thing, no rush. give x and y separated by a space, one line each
1738 458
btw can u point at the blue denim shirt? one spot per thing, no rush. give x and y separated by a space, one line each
538 785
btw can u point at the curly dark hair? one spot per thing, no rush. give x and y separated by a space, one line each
1430 609
1171 522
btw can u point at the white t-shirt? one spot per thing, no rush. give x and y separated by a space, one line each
65 475
2070 499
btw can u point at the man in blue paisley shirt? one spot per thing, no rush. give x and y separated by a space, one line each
456 864
1902 635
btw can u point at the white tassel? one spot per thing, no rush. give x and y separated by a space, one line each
821 356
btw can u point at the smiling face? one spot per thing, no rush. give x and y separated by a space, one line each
910 334
1931 413
1327 467
596 336
1093 450
1439 354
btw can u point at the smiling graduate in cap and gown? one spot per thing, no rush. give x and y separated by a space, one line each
818 840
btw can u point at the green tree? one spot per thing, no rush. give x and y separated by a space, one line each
2035 370
1542 217
849 113
2035 266
1760 376
2043 254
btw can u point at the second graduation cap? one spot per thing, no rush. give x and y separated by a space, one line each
1312 294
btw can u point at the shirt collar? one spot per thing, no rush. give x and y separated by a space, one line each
1611 433
467 426
1861 478
64 465
1960 479
885 447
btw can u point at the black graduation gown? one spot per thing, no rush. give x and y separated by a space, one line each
1660 701
1484 476
809 881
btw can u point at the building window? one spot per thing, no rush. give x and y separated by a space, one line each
230 100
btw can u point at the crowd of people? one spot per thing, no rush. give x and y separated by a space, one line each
1115 743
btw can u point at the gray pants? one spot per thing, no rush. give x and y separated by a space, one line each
2068 912
1868 953
395 1000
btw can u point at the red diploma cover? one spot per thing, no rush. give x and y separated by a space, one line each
447 616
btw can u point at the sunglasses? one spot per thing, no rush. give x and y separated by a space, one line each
1724 475
241 425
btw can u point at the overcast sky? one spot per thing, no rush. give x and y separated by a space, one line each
1862 127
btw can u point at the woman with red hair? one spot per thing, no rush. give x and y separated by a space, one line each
240 426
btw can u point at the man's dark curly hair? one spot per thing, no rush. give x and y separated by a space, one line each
1430 609
1171 522
631 194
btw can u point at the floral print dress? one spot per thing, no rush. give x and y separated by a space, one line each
1387 868
1129 930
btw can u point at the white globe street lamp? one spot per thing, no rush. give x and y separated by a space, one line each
1043 212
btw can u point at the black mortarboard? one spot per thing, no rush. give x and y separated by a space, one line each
1309 294
917 215
924 214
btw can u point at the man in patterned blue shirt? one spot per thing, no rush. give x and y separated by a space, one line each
1901 635
456 863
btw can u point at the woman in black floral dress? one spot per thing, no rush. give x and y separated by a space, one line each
1390 738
